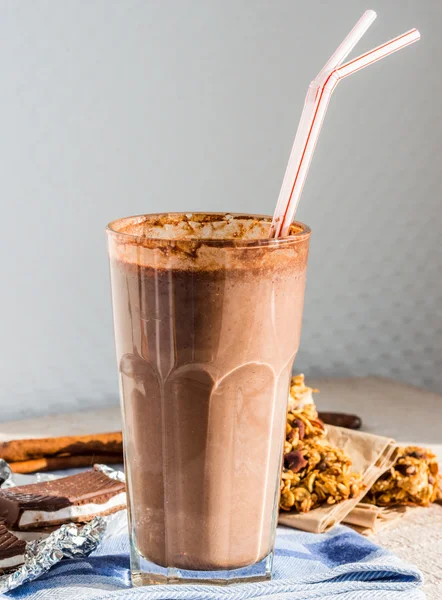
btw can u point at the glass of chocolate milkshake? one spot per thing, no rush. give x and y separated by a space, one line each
207 314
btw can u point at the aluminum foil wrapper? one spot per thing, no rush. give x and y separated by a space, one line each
69 541
5 474
112 473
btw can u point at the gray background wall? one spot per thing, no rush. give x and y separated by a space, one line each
110 108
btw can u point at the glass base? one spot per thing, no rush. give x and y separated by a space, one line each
145 572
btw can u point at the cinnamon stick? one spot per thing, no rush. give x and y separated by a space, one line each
29 449
53 463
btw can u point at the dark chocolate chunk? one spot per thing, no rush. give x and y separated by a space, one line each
10 545
405 469
295 461
417 454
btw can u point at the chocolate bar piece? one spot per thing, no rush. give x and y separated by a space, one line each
34 534
12 550
76 498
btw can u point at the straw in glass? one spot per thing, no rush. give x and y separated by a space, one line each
309 109
318 97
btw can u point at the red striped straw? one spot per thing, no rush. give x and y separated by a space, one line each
315 107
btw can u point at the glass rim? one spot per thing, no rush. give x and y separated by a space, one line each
303 233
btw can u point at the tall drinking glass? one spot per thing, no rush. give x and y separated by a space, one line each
207 314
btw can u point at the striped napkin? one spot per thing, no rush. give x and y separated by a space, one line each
337 565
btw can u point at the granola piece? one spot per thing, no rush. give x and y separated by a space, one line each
325 477
413 480
315 472
300 394
302 422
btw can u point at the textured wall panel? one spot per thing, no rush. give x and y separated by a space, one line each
120 107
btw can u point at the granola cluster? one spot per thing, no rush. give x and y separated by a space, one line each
414 479
300 393
314 472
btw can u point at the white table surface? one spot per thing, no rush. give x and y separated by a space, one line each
407 414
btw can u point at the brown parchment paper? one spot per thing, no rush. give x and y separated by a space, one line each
371 455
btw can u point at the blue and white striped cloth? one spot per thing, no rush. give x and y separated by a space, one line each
339 565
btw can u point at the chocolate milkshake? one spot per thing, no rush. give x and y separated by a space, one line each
207 316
